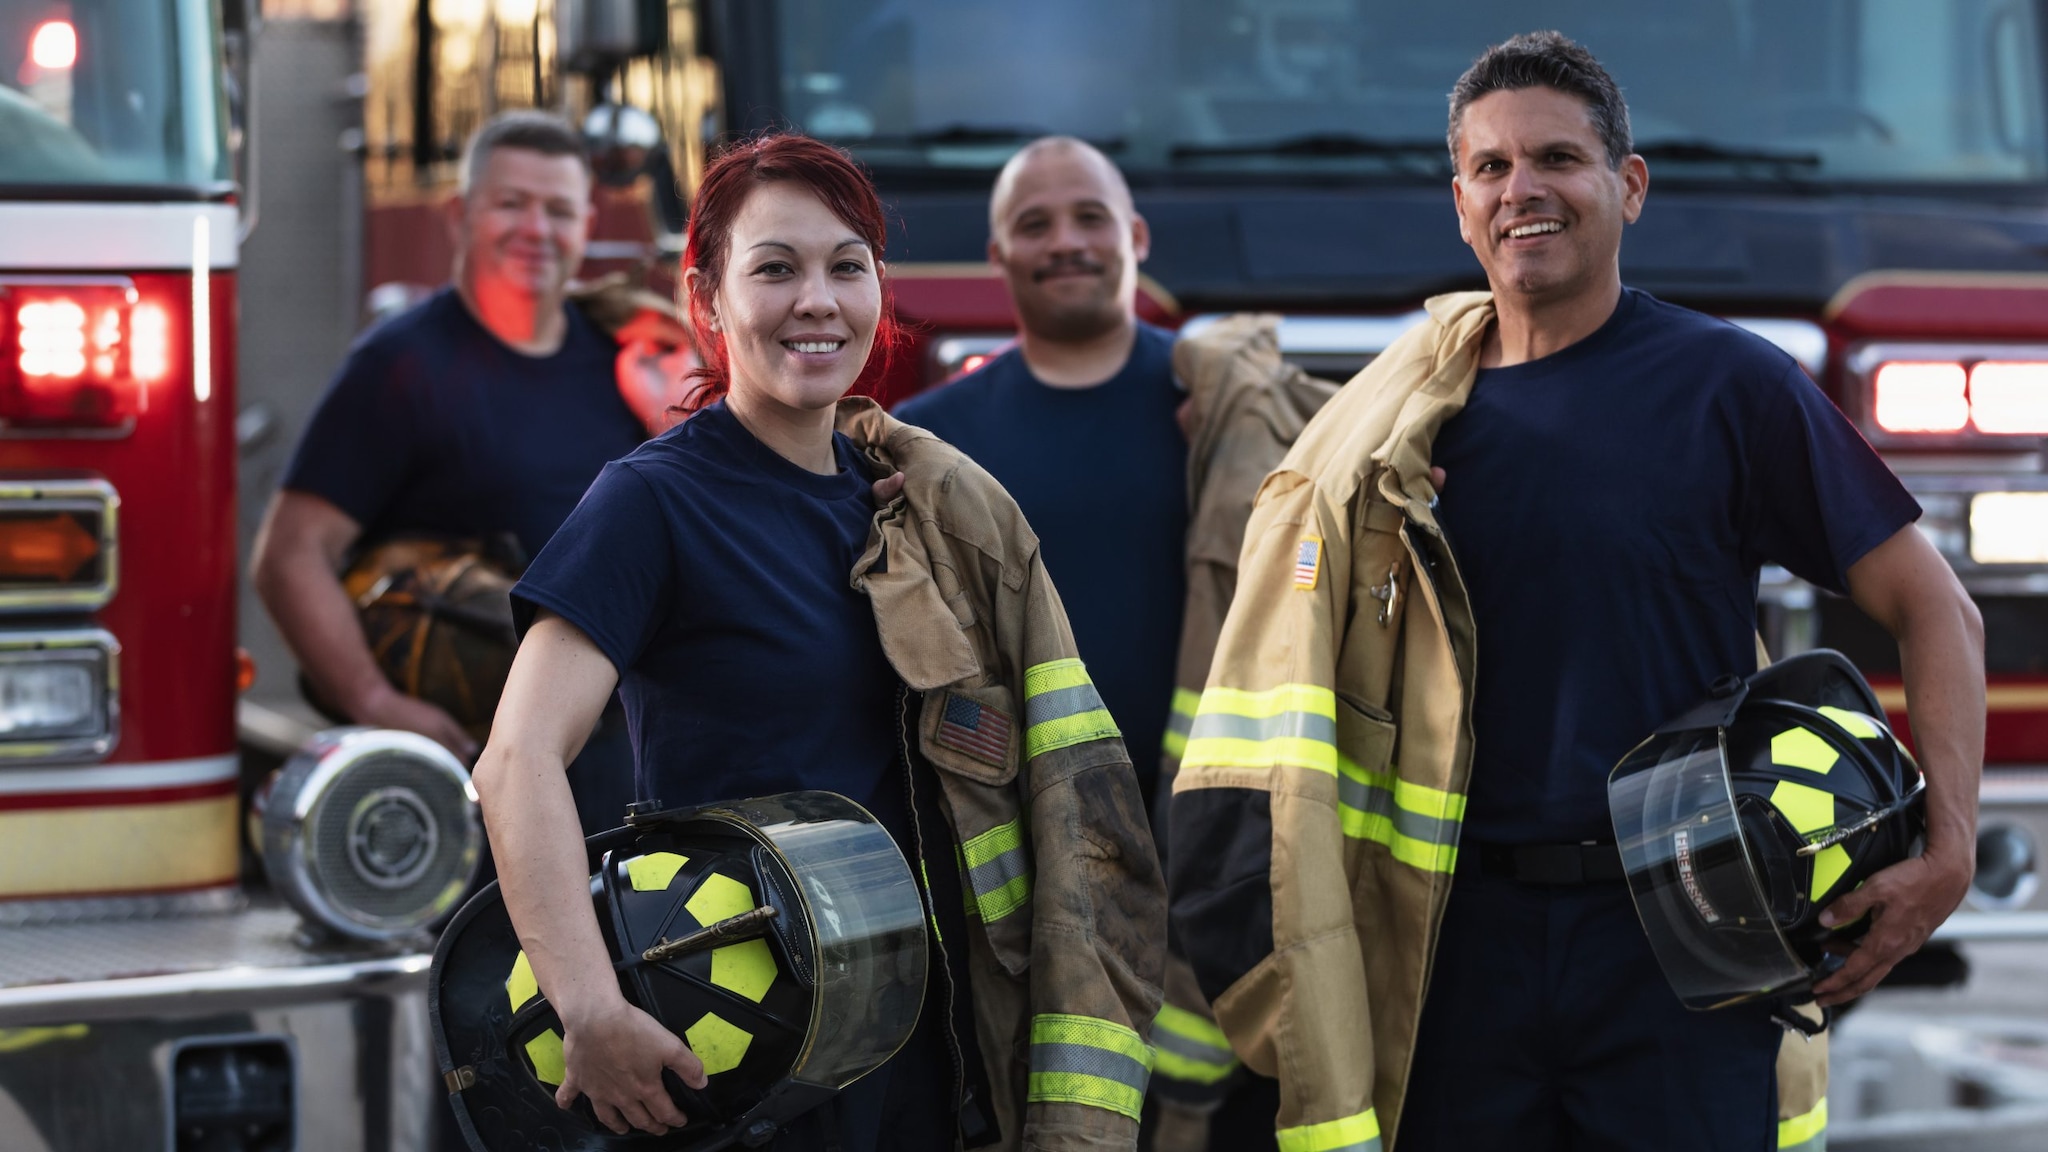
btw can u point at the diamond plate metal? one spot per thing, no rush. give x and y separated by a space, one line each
264 935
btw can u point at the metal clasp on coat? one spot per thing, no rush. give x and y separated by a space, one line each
1388 594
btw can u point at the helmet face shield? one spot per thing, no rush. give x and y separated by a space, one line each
868 926
1693 875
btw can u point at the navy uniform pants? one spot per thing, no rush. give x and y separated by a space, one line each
1550 1028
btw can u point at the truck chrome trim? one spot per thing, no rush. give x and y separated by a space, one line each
127 237
2016 784
1968 926
55 495
61 639
1327 335
196 992
1802 340
34 912
118 777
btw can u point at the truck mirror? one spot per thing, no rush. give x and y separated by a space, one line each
619 138
625 143
593 36
241 21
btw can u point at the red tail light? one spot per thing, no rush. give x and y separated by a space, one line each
80 355
2009 398
1964 396
1920 397
54 45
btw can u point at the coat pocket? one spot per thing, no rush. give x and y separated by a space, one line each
1416 824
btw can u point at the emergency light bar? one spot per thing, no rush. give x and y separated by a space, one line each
1951 397
79 353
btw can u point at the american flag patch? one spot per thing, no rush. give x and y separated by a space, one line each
1308 563
974 728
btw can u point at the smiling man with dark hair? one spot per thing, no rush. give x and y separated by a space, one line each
1425 694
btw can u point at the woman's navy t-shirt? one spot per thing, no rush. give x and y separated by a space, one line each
1609 507
713 574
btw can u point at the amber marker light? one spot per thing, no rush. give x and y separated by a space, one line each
44 549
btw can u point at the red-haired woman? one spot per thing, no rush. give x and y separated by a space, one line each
760 618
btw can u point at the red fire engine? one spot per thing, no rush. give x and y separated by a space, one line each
146 1000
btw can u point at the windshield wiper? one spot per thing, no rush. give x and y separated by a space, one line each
1710 152
961 135
1313 144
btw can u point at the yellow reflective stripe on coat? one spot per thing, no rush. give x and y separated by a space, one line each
998 872
1179 721
1062 708
1807 1133
1418 824
1190 1048
1360 1133
1085 1060
1293 725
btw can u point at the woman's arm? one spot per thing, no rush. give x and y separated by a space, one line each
614 1053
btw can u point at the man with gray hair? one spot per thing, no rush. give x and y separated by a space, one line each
1523 538
482 413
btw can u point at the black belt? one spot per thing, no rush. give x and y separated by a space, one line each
1554 864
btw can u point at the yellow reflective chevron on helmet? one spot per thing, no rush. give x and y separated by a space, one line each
1828 866
1803 748
718 1042
652 872
1806 808
747 968
1854 723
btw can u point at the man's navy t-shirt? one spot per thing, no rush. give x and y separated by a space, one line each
1101 474
434 426
1609 507
713 574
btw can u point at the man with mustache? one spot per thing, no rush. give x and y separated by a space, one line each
483 412
1082 420
1077 421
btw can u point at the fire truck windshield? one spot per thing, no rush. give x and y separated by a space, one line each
111 92
1835 91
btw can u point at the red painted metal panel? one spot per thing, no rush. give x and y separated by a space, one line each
1941 306
2015 721
174 611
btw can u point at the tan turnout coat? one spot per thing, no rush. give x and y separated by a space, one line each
1067 905
1322 781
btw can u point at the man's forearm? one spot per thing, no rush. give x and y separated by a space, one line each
320 626
1941 654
